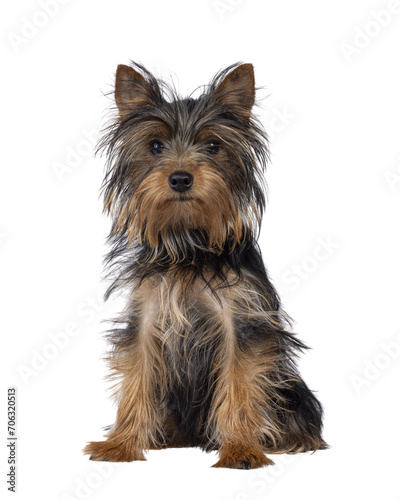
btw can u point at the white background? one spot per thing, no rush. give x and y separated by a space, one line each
331 83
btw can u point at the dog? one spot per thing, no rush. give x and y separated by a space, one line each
203 354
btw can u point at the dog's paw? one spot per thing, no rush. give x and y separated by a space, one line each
108 451
238 457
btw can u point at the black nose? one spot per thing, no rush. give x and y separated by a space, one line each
180 181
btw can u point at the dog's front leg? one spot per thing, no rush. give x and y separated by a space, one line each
137 363
238 419
238 414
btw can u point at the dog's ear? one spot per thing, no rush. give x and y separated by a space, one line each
237 90
131 89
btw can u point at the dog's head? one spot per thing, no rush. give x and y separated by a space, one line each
183 167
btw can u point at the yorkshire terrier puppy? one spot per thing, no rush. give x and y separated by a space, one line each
203 354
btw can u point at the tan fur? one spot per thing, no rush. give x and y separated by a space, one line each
130 89
159 210
136 370
237 90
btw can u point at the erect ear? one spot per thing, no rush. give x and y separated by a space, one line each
131 89
237 90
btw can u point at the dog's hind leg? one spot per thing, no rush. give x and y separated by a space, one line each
300 417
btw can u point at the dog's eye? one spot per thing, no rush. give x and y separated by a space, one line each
213 148
156 147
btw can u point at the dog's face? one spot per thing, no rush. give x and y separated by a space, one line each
178 166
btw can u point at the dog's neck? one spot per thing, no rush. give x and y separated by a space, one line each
192 256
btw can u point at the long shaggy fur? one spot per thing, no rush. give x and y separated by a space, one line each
203 354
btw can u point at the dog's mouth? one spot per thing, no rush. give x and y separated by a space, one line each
181 198
170 202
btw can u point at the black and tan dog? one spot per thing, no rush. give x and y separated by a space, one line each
202 355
